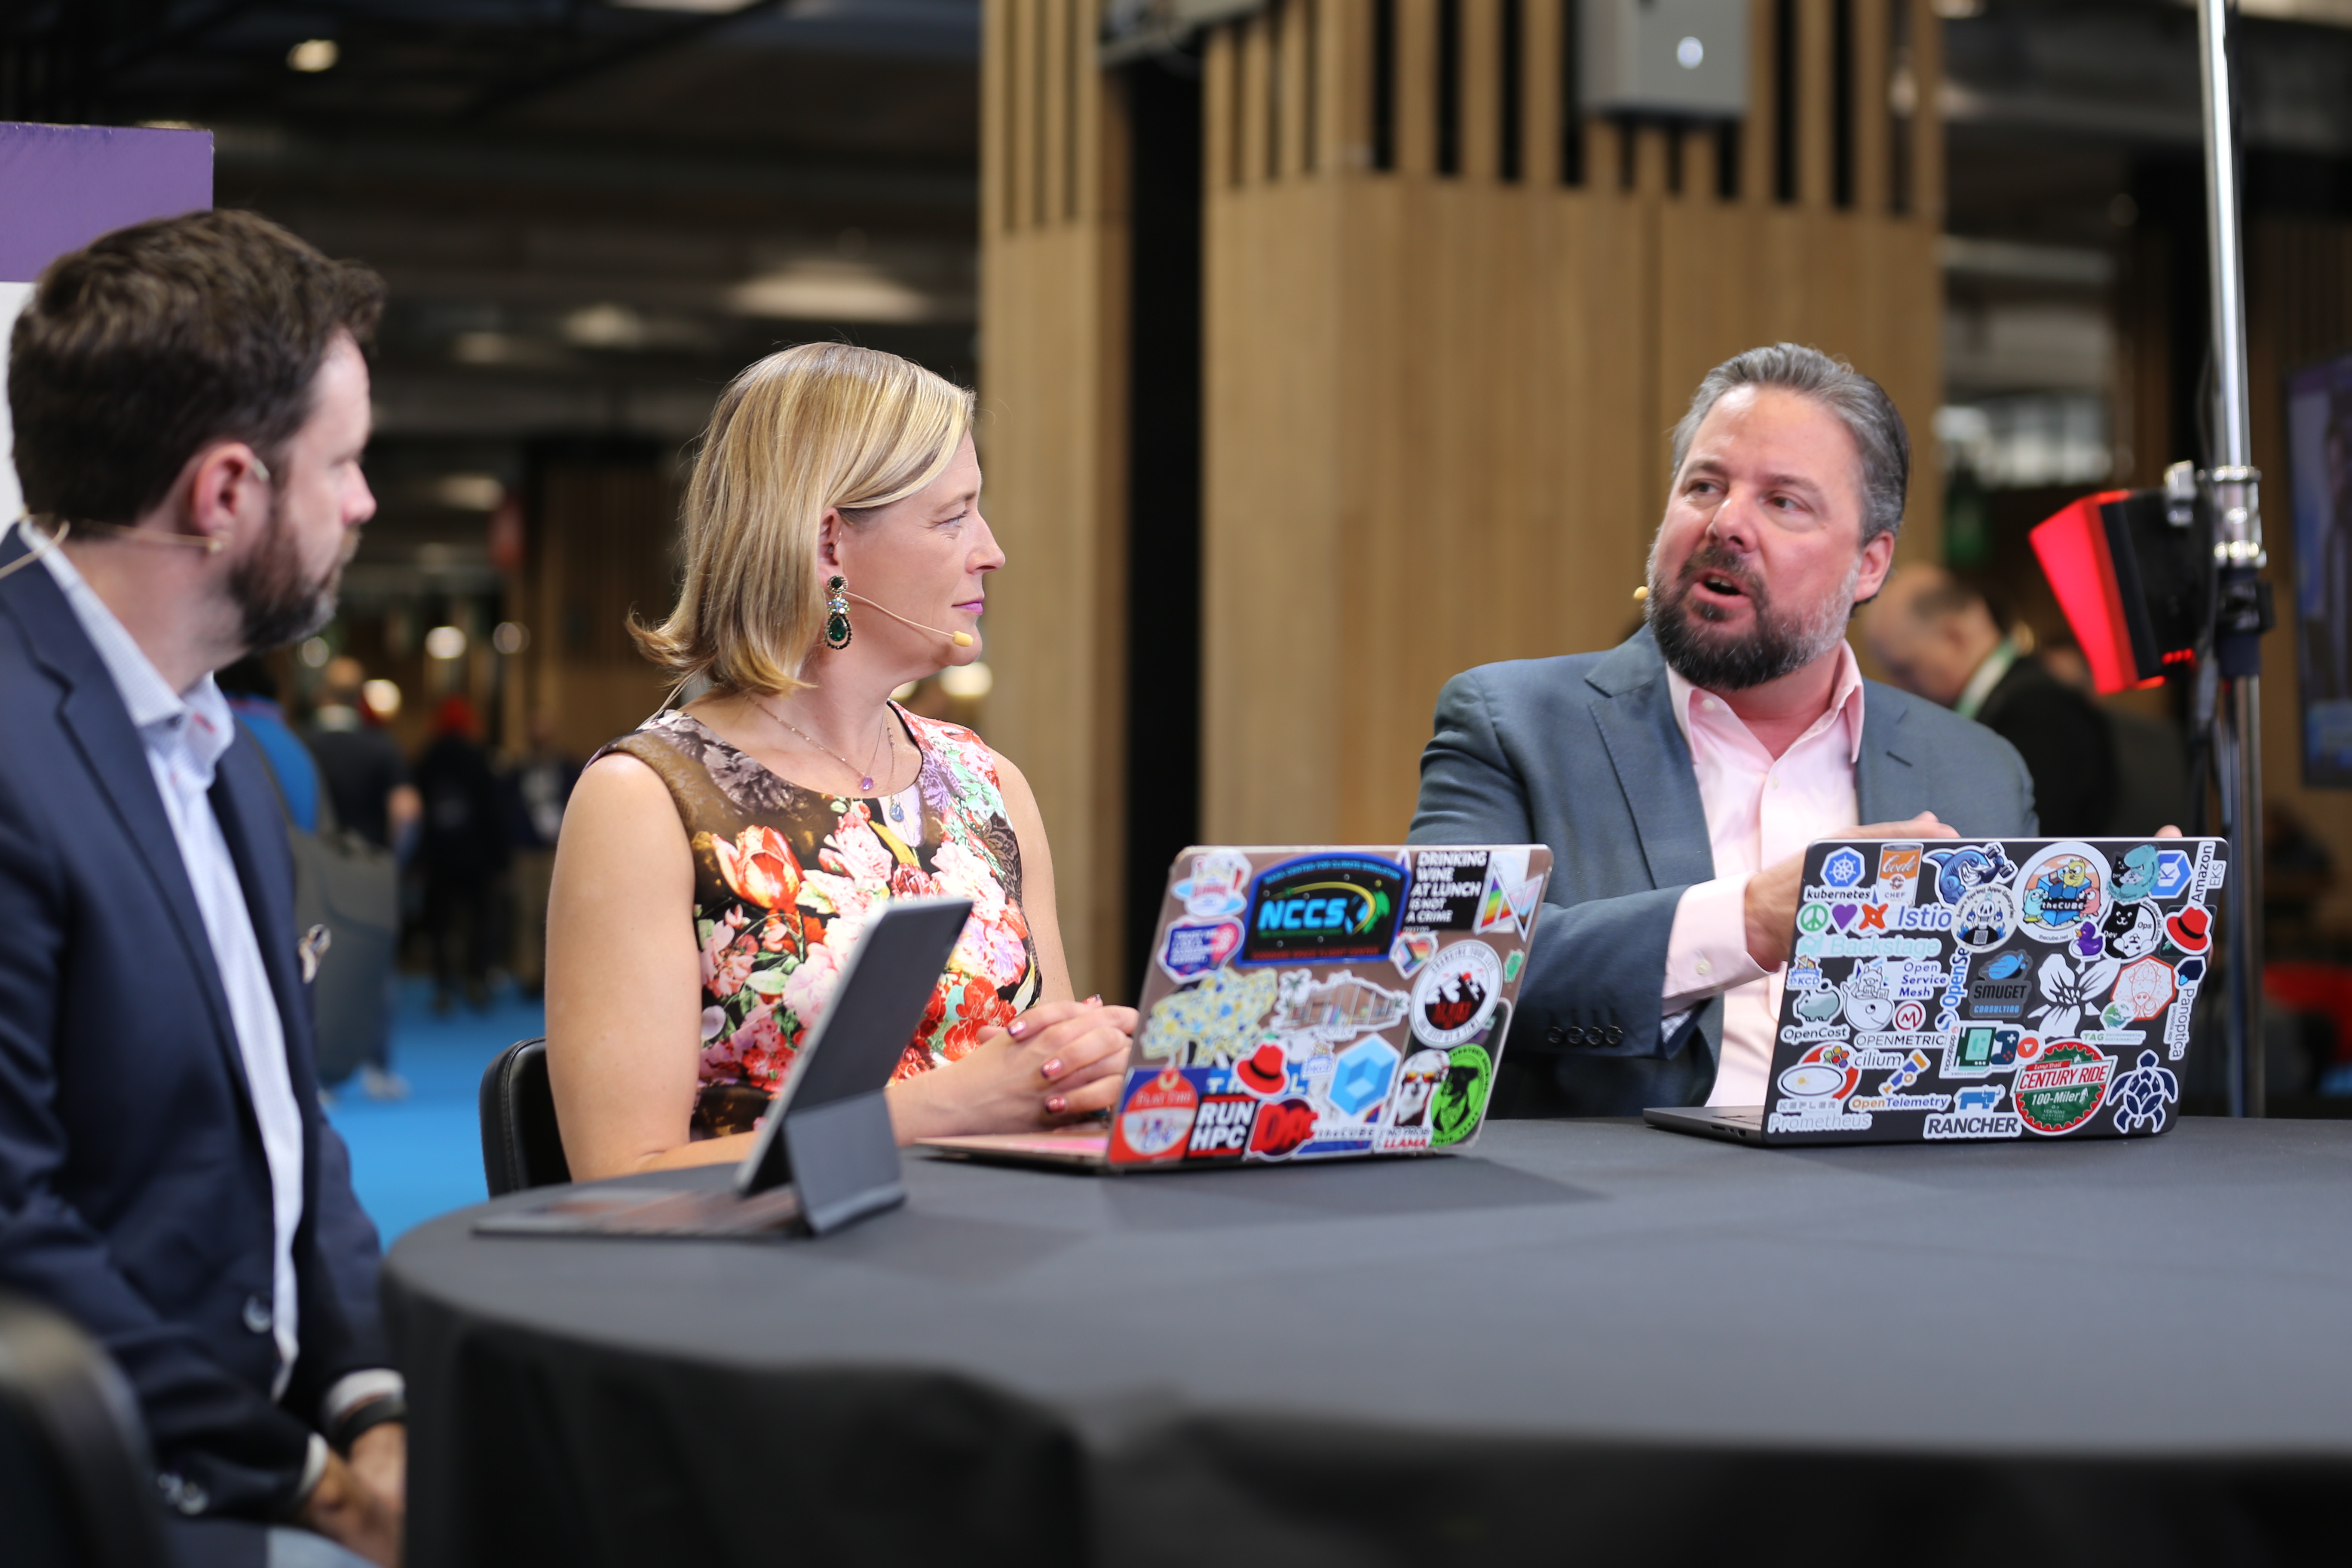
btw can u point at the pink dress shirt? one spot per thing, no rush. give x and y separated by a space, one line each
1759 811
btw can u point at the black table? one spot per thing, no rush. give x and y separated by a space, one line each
1585 1339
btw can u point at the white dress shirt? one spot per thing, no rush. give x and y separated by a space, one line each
184 734
1761 810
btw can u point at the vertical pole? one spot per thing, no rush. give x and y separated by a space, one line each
2233 489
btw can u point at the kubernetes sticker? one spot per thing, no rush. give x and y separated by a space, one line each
1318 908
1194 948
1842 868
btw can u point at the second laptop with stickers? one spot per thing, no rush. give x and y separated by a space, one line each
1982 990
1312 1003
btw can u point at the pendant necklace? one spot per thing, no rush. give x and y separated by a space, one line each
865 780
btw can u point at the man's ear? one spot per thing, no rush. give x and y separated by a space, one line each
224 484
1877 561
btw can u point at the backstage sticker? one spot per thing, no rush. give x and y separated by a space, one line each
1456 995
2065 1088
1323 907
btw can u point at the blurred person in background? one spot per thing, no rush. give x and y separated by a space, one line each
462 850
368 788
719 864
252 693
366 776
537 787
1938 639
191 407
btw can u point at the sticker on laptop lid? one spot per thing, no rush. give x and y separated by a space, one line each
2065 1088
2059 890
1334 1009
1959 871
1218 884
1460 1096
1319 908
1446 885
1975 1113
1456 995
1222 1128
1193 948
1984 917
1281 1127
1898 873
2143 1097
1212 1021
1157 1118
1411 950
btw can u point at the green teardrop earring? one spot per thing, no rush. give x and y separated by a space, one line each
836 614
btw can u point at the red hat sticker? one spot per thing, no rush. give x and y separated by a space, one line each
2191 930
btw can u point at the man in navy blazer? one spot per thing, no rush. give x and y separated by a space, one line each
1678 776
191 407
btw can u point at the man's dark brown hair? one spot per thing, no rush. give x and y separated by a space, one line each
151 344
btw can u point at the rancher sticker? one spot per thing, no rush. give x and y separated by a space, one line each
2064 1088
1976 1113
1456 995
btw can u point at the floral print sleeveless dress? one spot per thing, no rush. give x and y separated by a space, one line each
785 878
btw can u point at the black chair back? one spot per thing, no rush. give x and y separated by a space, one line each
76 1484
520 1144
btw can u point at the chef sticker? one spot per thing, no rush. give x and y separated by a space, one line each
1454 996
1898 873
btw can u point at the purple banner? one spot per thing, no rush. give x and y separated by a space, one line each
61 186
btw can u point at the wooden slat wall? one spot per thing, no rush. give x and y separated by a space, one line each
1052 435
1438 406
1435 406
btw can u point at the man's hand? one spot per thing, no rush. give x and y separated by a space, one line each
380 1457
349 1512
1771 900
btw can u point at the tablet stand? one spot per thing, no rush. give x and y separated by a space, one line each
843 1158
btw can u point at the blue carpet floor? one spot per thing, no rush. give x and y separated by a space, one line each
414 1158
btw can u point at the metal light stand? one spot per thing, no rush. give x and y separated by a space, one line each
2233 491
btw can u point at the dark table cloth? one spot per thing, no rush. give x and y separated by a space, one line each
1584 1342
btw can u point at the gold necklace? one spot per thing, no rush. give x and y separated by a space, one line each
865 782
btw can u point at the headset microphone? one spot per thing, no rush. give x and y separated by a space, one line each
962 639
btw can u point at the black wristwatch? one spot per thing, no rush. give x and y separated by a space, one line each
361 1420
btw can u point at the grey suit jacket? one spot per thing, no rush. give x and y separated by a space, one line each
1582 753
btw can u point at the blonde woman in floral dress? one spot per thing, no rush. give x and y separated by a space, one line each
717 866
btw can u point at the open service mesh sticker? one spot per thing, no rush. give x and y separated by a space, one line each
1312 1004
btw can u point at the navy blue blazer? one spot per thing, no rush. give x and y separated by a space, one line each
134 1196
1582 752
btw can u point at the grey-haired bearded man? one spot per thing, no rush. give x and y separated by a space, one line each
1679 776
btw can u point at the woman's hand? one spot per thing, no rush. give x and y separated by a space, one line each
1058 1062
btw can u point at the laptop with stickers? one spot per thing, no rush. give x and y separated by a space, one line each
2013 988
1312 1003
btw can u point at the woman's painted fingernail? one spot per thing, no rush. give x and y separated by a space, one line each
1056 1104
1051 1068
1018 1028
1095 1000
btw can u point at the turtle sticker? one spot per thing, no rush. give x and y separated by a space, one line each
2143 1097
1461 1097
2065 1088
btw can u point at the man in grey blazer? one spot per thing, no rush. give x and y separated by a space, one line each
1678 776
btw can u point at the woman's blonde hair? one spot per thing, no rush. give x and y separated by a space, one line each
814 427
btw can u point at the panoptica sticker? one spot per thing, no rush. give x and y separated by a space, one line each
1454 996
2065 1088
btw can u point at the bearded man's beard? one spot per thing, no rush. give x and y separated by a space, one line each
1775 644
281 604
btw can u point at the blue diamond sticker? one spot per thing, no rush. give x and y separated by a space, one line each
1361 1074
